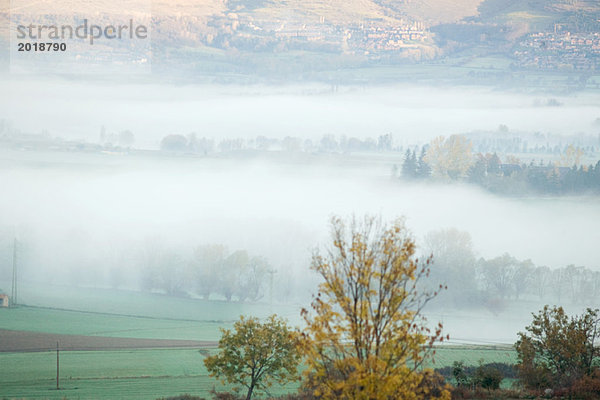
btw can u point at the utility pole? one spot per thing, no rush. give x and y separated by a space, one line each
271 272
57 367
13 299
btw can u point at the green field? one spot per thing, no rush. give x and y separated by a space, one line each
153 305
472 355
140 373
95 324
137 374
148 374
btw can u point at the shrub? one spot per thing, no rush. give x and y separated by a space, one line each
488 377
224 395
587 387
463 372
459 373
433 385
558 350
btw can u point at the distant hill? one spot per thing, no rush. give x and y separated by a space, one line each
193 21
303 36
292 11
336 11
434 12
541 14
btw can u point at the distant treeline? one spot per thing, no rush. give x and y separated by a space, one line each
328 143
211 271
474 282
451 160
502 278
500 141
214 272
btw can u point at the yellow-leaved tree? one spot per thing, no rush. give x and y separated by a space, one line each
571 157
366 337
449 158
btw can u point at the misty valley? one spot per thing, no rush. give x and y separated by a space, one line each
299 199
155 239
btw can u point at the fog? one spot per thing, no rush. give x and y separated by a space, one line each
273 206
77 109
89 218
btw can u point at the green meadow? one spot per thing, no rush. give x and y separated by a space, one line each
149 374
143 304
96 324
124 374
140 373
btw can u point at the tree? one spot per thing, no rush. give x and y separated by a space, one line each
423 169
174 143
255 354
172 275
487 377
558 350
449 158
164 270
558 283
409 166
328 143
126 138
200 145
478 171
367 338
454 265
523 277
576 279
291 144
232 270
571 156
460 376
385 142
253 279
493 163
499 274
541 281
207 263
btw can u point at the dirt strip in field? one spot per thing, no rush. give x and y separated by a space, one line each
24 341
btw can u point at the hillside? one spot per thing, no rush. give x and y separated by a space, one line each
306 38
268 12
434 12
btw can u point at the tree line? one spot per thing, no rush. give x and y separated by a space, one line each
494 281
215 272
193 144
451 159
212 270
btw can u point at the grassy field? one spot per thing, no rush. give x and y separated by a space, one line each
148 374
472 355
125 302
82 323
139 373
